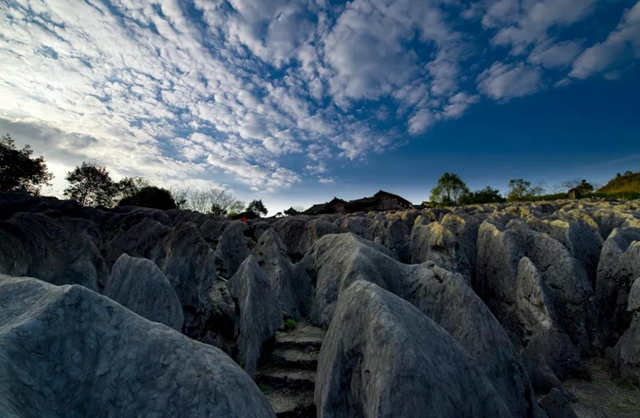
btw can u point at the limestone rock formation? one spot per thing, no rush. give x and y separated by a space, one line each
259 314
34 244
291 285
383 358
626 353
139 285
66 351
619 265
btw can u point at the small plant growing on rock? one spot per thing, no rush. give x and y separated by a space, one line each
290 324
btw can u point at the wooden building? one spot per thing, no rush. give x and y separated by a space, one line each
333 206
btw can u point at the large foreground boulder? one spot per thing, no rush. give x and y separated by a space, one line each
139 285
69 352
382 357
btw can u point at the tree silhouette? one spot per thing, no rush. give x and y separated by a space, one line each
19 170
257 207
449 190
91 185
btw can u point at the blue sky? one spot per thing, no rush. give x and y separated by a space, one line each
295 102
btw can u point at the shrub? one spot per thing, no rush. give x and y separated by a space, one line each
150 197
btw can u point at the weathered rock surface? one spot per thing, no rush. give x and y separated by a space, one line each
36 245
557 406
232 249
383 358
69 352
337 261
626 353
259 314
562 283
291 285
140 286
619 265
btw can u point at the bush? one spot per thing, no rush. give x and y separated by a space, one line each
290 324
150 197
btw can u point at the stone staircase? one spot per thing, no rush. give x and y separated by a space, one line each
288 378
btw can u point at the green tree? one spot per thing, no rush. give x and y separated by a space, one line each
486 195
91 185
130 186
582 186
257 207
19 170
449 190
520 189
150 197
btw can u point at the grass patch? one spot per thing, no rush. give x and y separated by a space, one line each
290 324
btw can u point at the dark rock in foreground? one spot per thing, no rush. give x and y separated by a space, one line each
382 357
69 352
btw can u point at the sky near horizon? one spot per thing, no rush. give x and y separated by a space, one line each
294 102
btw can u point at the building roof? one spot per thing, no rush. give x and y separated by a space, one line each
315 208
381 192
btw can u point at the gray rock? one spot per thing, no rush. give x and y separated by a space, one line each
69 352
139 285
564 282
189 264
619 265
450 244
383 358
259 314
291 285
634 296
626 353
337 261
557 406
36 245
232 249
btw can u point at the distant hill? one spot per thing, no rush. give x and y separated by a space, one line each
622 184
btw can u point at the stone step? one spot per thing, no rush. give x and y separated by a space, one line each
293 379
293 358
305 335
291 404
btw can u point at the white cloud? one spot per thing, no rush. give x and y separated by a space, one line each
613 51
507 81
525 22
557 55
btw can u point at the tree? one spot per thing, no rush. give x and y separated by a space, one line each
449 190
91 185
150 197
19 170
213 200
130 186
520 189
486 195
582 186
257 207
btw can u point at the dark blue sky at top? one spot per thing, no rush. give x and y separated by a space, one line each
296 102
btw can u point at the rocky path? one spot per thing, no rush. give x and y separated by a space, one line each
288 380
